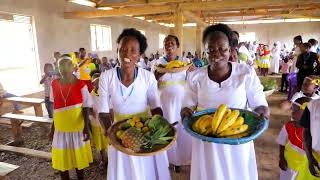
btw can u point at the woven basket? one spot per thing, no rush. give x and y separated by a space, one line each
115 142
269 92
174 70
256 127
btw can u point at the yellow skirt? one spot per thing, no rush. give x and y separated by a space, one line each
305 169
69 151
98 139
299 162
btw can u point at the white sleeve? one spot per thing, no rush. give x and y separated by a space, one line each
152 92
104 95
51 94
282 137
254 90
191 92
87 99
296 96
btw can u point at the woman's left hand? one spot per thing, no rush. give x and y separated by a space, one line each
86 134
191 68
263 111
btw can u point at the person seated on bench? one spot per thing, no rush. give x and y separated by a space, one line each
5 94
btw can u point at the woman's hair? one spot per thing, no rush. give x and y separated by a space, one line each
131 32
299 38
306 45
174 37
215 28
48 65
313 42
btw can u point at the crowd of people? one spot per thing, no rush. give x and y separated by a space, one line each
85 96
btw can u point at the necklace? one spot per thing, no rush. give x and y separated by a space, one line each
295 133
121 90
63 97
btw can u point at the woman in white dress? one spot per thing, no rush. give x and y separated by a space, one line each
172 89
275 58
297 51
130 91
223 82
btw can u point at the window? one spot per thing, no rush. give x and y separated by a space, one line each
100 38
247 37
142 32
161 39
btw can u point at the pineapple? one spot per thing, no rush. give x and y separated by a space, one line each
133 139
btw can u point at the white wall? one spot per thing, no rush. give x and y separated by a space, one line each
54 33
265 33
283 32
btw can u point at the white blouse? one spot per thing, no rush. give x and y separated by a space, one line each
143 92
241 90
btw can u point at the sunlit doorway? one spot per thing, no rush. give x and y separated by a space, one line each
19 67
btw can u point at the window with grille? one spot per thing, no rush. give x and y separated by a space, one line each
100 37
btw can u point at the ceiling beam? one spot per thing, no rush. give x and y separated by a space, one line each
193 17
148 9
239 4
160 17
138 3
262 13
119 12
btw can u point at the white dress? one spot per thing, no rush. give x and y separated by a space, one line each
275 59
144 95
172 90
297 52
211 161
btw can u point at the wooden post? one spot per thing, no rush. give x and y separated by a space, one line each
198 39
38 110
178 29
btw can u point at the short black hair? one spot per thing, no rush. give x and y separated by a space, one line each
218 27
236 32
306 45
82 49
174 37
299 38
136 34
313 42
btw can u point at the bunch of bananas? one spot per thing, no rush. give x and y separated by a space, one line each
175 64
223 123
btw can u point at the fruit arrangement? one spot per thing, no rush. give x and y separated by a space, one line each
173 64
224 123
144 134
268 83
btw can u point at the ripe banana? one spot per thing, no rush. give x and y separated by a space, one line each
246 133
196 125
228 121
239 122
205 126
234 131
217 118
175 64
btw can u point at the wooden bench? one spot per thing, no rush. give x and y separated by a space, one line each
17 119
35 102
26 151
6 168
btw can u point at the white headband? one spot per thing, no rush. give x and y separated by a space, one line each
64 58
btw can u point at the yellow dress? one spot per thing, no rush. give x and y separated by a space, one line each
98 139
69 151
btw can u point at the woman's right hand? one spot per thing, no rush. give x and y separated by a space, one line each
314 167
186 112
283 164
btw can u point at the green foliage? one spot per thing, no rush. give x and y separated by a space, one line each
268 83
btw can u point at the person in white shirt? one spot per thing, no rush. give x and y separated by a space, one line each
275 58
223 82
297 43
130 91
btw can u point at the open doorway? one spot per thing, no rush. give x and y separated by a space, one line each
19 67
